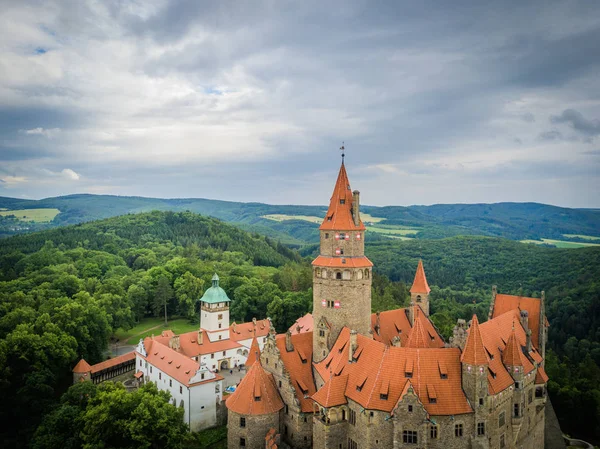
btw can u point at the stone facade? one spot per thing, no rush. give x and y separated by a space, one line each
249 430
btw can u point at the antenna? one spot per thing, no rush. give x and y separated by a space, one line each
343 150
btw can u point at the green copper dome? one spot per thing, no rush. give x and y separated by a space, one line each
215 293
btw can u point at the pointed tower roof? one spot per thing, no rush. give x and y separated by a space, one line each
254 353
420 284
82 367
256 394
333 393
512 355
418 337
474 352
339 215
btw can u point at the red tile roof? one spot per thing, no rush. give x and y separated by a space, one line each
298 365
378 367
188 344
254 353
474 352
504 303
342 262
541 377
423 333
513 354
248 330
172 363
256 394
113 362
392 323
333 393
303 324
82 367
420 284
339 216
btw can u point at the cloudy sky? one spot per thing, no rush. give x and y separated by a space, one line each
437 102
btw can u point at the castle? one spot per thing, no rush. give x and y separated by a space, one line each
344 378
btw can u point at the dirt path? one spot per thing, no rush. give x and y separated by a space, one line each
137 335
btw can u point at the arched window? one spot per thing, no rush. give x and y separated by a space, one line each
338 275
324 273
418 298
347 275
366 273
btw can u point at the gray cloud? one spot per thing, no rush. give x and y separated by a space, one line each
578 122
250 101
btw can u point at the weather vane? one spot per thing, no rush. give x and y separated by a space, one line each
343 150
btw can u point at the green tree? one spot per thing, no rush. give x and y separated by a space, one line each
162 296
188 290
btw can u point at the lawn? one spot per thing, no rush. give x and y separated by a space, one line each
37 215
393 230
215 438
283 217
560 243
577 236
149 326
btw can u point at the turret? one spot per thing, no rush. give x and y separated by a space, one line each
214 311
475 362
419 293
341 272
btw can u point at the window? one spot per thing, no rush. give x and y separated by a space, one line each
338 275
242 422
480 429
408 375
243 442
327 235
220 316
352 417
321 333
256 398
480 401
220 325
287 409
159 376
517 385
180 389
352 444
433 432
279 384
223 352
220 335
170 383
343 415
530 396
202 376
409 437
444 376
140 362
458 430
383 397
212 356
418 298
433 400
502 442
150 369
501 419
516 410
410 408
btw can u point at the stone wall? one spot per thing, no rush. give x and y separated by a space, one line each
254 431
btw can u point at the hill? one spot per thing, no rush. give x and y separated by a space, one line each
295 225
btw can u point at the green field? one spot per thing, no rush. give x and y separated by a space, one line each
37 215
393 230
149 326
585 237
560 243
283 217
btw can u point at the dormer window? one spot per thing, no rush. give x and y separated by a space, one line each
342 201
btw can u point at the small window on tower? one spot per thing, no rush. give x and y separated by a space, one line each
338 275
418 298
327 235
342 201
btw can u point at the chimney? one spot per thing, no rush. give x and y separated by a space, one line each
200 337
233 327
289 347
174 342
494 293
356 207
377 323
352 345
525 320
528 340
396 341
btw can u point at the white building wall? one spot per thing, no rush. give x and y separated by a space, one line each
234 358
215 317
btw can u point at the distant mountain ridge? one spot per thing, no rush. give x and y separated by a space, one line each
516 221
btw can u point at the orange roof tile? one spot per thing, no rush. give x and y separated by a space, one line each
392 323
513 354
254 353
256 394
541 377
298 365
420 284
172 363
248 330
333 392
82 367
303 324
113 362
339 214
474 352
423 334
342 262
188 344
504 303
379 366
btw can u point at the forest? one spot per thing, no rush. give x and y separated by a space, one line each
64 291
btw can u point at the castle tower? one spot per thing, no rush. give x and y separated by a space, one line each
419 292
341 272
214 311
475 362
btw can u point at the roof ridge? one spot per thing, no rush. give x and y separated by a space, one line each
420 284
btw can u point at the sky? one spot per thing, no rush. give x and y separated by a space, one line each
435 102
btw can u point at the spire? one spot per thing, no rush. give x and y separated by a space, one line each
339 215
256 394
420 283
215 280
254 353
474 352
512 355
82 367
418 337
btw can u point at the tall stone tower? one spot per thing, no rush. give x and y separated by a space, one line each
419 293
341 272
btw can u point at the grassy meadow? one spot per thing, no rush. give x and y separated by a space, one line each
36 215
